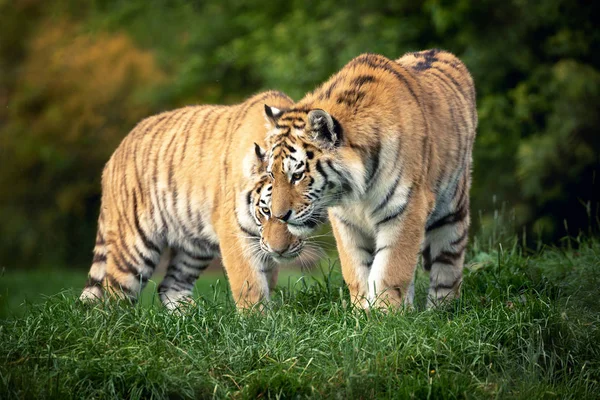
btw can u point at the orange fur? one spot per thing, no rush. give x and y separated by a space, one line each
186 180
384 147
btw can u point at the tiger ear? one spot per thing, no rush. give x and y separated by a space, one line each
255 162
260 152
321 128
272 114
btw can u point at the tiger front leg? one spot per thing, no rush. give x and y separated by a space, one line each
248 277
355 248
399 236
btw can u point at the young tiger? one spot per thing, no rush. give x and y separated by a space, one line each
189 180
383 147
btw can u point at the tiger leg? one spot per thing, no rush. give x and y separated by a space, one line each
398 242
444 253
184 269
248 277
355 249
93 287
132 255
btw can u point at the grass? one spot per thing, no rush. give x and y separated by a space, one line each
19 290
525 327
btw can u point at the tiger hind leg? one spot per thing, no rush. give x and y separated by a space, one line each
130 259
444 253
184 269
93 287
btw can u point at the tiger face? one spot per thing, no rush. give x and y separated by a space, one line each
303 173
276 240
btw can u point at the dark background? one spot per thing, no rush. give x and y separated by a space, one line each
76 76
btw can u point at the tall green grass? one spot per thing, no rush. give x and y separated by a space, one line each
525 327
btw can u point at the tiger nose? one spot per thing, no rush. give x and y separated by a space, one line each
280 250
285 217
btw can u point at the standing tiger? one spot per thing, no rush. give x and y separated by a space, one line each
189 180
384 148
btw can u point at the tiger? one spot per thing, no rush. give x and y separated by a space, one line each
185 183
383 151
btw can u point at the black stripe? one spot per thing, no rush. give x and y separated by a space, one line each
452 218
362 79
202 128
187 132
171 162
314 221
173 285
462 185
447 257
339 131
195 220
350 97
292 118
322 171
460 239
388 195
325 95
366 249
200 266
377 250
247 231
457 281
176 217
374 167
126 255
379 62
155 192
427 259
399 211
457 86
455 91
166 151
149 262
186 279
350 225
442 173
99 258
137 150
117 285
155 128
145 239
196 256
123 264
338 173
99 239
344 181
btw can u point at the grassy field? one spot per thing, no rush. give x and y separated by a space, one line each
20 290
526 327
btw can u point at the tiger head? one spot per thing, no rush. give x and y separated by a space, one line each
276 240
302 170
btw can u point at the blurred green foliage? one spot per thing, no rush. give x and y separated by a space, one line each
76 76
